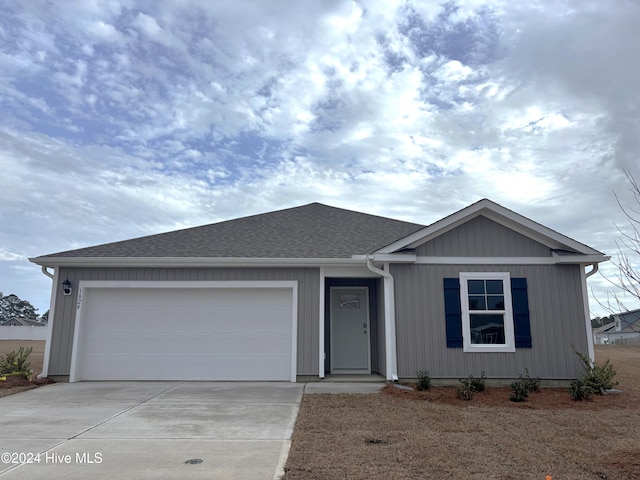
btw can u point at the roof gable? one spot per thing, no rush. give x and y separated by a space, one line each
309 231
501 215
628 322
18 321
482 237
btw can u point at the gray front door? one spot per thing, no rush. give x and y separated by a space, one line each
350 330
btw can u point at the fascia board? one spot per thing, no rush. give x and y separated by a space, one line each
387 257
598 258
552 260
189 262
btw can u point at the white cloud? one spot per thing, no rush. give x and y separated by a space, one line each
7 256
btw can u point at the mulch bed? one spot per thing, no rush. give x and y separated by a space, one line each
19 384
546 398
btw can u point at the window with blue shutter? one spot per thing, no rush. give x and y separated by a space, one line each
487 312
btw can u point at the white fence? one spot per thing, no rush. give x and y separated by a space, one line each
20 332
629 342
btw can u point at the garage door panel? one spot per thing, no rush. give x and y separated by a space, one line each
207 344
188 367
185 334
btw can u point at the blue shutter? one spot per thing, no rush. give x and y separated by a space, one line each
453 312
521 325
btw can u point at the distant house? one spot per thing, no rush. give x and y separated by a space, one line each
316 291
18 328
21 322
624 329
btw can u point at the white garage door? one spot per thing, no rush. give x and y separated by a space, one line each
177 333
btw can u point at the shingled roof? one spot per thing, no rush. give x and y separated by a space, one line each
309 231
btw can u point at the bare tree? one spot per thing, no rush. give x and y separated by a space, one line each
627 281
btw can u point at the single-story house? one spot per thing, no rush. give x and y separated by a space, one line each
21 322
625 327
601 334
313 291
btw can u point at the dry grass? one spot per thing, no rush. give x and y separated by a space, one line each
408 436
15 385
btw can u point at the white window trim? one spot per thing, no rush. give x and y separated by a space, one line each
510 345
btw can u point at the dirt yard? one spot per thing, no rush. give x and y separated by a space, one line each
15 385
435 435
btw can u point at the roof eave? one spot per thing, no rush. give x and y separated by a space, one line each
582 259
191 261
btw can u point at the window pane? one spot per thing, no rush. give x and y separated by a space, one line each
494 286
495 302
475 286
477 302
487 329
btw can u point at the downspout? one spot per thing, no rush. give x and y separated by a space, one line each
587 312
593 270
389 321
46 272
52 307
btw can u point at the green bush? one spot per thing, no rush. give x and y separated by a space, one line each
597 378
532 384
477 383
424 380
520 390
524 386
464 391
468 386
16 362
579 391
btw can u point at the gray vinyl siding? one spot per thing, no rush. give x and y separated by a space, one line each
482 237
556 315
308 304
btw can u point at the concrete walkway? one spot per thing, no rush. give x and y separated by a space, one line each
148 430
343 387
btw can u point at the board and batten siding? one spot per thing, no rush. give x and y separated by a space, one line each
556 315
482 237
308 304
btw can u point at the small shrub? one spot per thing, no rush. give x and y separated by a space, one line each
16 362
470 385
532 384
524 386
424 380
464 391
579 391
477 384
520 390
598 378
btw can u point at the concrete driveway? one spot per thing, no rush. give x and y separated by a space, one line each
148 430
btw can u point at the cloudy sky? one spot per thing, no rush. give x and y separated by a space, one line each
122 118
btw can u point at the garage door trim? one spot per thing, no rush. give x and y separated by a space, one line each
173 285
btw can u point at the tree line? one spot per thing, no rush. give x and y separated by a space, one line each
12 306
